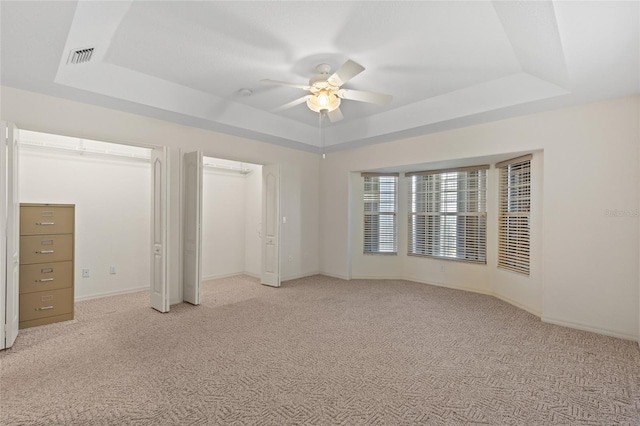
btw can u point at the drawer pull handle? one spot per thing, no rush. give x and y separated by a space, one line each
45 252
44 308
44 280
45 223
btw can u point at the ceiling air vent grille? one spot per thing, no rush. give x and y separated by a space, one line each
81 56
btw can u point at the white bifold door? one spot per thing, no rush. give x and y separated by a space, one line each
270 274
9 236
159 223
192 231
192 234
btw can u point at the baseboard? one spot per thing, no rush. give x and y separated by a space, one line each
364 277
414 280
451 286
517 304
341 277
250 274
590 328
297 277
111 293
215 277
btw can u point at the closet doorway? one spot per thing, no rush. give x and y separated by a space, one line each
231 227
111 188
231 218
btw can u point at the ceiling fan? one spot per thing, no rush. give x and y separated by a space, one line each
326 93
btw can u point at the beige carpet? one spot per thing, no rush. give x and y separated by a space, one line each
318 351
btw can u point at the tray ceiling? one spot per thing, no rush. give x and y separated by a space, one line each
447 64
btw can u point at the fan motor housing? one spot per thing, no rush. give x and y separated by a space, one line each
318 79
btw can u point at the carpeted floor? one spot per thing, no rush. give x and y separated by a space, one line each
318 351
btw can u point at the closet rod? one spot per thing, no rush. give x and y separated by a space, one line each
83 150
242 170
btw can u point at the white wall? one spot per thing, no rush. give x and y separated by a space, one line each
587 261
299 197
231 209
222 223
112 198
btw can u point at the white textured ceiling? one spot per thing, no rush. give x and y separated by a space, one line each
447 64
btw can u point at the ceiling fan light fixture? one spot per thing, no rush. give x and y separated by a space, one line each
323 101
326 92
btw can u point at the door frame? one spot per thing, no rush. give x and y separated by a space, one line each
3 235
167 213
9 235
262 248
12 306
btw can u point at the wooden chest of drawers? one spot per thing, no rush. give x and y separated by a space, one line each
46 263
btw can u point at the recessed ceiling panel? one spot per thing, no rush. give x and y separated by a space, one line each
221 47
446 63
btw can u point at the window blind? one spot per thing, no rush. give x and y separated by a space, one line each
514 214
448 214
380 207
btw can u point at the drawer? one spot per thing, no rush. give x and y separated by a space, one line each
46 276
46 220
45 248
45 304
46 320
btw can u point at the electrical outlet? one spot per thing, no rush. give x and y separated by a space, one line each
290 258
441 268
112 270
86 273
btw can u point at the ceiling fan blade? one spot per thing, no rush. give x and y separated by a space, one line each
292 103
284 83
370 97
346 72
335 115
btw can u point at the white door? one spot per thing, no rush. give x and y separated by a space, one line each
270 274
192 256
12 302
3 230
159 220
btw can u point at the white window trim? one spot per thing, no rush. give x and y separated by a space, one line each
514 248
476 244
367 237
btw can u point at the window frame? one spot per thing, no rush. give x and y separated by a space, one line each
468 242
369 214
514 206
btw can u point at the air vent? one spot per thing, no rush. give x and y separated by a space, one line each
81 56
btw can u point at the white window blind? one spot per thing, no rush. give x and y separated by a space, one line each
380 206
514 214
448 214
